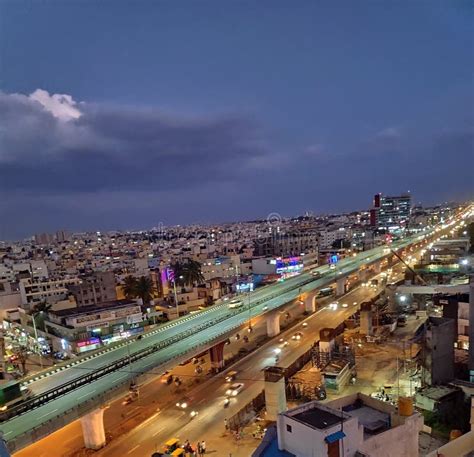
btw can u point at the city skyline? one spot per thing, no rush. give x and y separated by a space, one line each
293 111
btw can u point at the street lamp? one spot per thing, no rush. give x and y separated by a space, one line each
250 314
36 337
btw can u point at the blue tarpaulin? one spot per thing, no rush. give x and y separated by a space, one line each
335 437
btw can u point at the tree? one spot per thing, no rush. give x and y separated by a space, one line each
187 272
145 289
37 313
129 287
21 355
142 287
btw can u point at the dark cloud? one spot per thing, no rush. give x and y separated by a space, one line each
114 148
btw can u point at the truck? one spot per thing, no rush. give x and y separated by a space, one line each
11 394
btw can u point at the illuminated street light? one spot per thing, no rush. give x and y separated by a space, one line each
403 298
464 261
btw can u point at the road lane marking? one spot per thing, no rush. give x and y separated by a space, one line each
85 395
133 449
47 414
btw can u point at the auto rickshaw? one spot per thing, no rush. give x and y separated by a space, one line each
171 445
178 452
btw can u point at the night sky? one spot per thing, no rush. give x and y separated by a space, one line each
206 111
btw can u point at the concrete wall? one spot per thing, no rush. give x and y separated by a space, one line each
399 441
459 447
304 441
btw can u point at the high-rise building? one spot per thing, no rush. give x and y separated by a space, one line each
390 213
62 235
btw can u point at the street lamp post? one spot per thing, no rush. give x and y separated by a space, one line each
36 338
175 298
250 314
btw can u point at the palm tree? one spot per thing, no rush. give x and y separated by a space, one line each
145 289
187 272
192 272
129 287
37 313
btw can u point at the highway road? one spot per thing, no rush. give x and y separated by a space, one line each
215 321
207 398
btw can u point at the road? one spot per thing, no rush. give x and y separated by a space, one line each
216 321
207 398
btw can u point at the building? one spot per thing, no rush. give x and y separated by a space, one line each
278 267
76 330
438 352
351 426
390 213
95 288
62 236
279 243
44 238
49 290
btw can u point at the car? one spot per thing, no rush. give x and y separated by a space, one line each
235 303
316 274
265 308
234 389
183 403
344 305
230 376
297 336
333 306
164 377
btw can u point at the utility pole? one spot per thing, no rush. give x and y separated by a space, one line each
36 339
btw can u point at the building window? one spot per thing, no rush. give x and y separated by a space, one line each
288 428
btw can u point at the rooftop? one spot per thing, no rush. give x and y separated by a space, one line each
373 420
93 309
318 418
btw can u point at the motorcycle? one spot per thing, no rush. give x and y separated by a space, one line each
226 402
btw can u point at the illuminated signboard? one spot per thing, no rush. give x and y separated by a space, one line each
88 342
289 265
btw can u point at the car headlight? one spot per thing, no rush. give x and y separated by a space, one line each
234 393
228 392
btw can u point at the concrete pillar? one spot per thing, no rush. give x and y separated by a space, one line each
378 267
273 323
275 392
340 287
310 304
327 340
362 275
366 319
216 354
93 429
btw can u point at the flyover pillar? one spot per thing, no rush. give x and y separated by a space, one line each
216 354
340 287
273 324
378 267
310 304
275 392
362 275
93 429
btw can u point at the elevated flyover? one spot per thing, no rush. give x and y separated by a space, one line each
81 389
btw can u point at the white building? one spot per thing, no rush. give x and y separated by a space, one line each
352 426
52 290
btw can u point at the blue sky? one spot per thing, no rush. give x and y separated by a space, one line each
204 111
